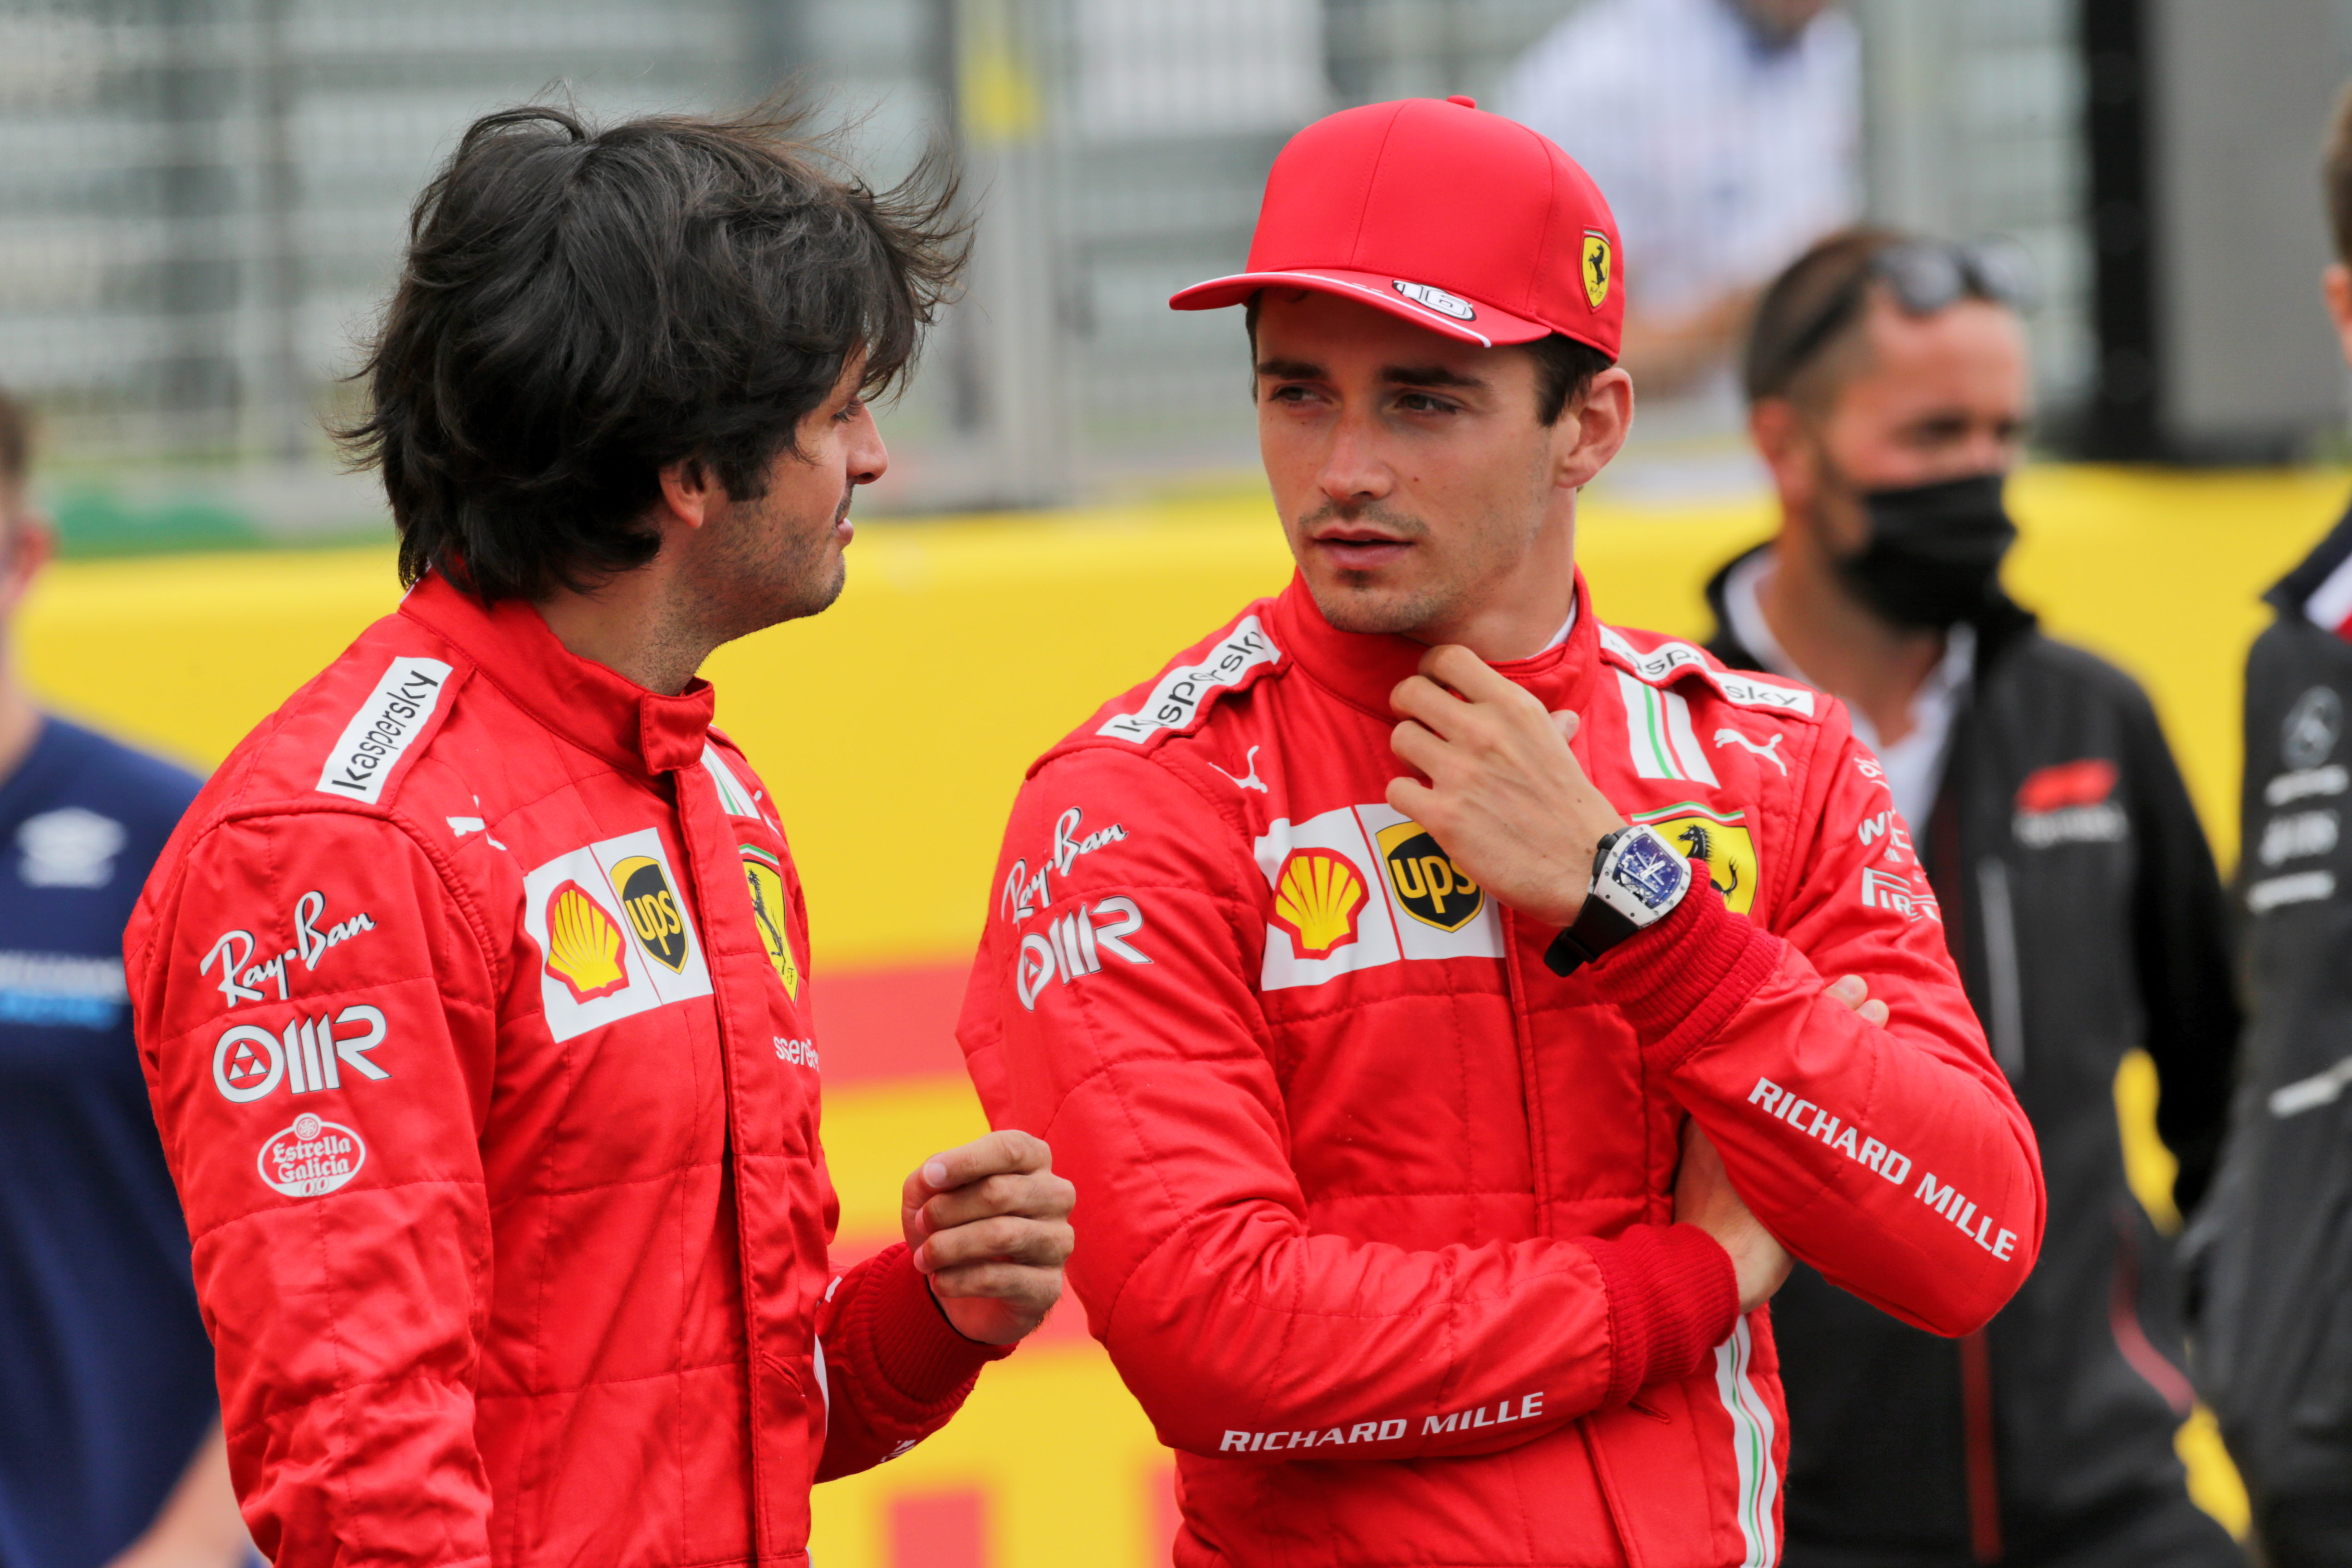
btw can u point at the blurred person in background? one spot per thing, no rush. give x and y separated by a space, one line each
474 996
2270 1259
1446 999
1725 132
109 1434
1888 394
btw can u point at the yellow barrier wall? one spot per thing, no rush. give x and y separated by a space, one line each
893 728
893 732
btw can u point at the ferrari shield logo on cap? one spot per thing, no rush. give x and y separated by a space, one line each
1436 299
1600 264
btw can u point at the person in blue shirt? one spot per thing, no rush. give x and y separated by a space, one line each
110 1447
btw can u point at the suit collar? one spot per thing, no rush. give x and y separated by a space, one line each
595 707
1361 668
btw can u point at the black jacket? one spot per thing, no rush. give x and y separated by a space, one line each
2083 907
2270 1259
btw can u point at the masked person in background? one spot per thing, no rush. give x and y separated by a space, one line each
1888 390
2271 1254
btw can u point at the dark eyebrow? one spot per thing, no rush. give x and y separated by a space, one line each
1393 374
1428 376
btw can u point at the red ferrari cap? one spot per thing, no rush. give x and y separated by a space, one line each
1431 209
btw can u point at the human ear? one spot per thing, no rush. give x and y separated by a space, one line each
31 544
691 493
1593 429
2336 288
1778 431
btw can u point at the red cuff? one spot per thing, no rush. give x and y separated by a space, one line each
1673 1297
1680 981
916 1349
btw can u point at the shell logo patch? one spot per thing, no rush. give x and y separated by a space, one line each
1719 838
310 1158
1427 883
652 909
770 903
1316 899
612 933
1599 268
583 945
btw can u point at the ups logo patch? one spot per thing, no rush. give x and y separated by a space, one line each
1719 838
653 910
1428 884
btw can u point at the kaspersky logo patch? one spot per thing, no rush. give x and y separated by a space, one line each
612 936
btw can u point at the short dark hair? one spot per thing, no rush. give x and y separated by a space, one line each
1564 366
15 443
2337 175
581 308
1787 355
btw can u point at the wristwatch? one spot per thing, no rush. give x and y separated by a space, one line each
1638 878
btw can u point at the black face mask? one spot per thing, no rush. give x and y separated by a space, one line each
1933 552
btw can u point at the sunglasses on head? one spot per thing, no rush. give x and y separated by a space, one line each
1924 276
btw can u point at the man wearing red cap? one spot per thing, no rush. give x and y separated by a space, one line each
1428 987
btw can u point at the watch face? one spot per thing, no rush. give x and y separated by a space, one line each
1648 868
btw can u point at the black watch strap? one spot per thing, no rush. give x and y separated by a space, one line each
1596 930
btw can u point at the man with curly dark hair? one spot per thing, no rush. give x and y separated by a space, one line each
473 993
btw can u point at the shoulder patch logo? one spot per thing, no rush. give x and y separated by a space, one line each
386 725
1177 700
1670 659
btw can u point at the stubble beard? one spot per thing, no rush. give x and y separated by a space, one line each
1360 601
760 567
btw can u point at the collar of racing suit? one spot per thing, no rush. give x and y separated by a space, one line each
1361 668
585 703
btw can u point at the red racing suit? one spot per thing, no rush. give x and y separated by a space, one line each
1375 1211
472 998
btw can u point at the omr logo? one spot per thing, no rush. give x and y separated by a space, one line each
652 909
583 945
